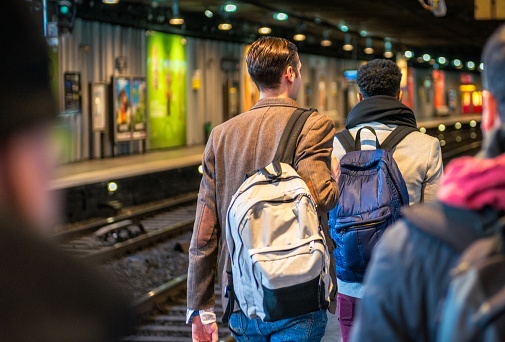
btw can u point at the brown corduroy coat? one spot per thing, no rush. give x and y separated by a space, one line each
244 143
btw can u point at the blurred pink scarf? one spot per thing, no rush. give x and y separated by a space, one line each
473 183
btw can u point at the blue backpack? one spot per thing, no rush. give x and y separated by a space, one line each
372 192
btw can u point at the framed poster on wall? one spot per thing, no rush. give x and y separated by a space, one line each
98 93
72 84
138 107
121 92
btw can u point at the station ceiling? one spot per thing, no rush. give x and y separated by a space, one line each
406 23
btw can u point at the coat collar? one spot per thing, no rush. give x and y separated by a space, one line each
276 101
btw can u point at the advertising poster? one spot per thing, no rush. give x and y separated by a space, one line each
98 106
138 102
72 83
166 85
122 109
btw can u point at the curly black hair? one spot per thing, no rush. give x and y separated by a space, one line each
379 77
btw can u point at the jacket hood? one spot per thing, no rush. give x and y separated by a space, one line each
381 108
475 183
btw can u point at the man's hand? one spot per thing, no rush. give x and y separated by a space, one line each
335 168
204 332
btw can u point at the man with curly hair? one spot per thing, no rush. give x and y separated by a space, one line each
418 156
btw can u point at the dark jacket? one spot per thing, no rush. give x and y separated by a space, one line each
240 145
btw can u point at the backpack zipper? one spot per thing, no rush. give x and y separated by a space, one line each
343 230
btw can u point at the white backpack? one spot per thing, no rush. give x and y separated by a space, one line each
278 254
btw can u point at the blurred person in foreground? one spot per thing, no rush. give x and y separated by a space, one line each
408 277
45 294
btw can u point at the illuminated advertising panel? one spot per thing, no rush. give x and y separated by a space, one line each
122 109
166 86
138 102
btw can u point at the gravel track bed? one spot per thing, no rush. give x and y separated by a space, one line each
149 268
62 227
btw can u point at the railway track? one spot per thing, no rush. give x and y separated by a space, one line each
166 231
164 315
117 236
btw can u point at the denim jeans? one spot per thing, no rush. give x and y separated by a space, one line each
305 328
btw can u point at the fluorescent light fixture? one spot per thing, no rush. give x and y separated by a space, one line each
369 49
230 8
299 37
348 46
224 27
280 16
265 30
176 21
326 42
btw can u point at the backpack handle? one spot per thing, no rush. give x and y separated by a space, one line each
357 141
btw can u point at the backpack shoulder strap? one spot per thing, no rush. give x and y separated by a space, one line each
457 228
396 136
285 152
346 139
287 145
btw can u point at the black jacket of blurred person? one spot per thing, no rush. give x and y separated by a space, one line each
44 294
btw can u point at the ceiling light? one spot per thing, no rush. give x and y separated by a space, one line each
209 14
176 21
348 46
224 27
264 30
438 7
326 42
456 63
299 37
280 16
408 54
426 57
368 49
344 28
387 48
363 33
481 66
176 17
230 8
470 65
442 60
110 2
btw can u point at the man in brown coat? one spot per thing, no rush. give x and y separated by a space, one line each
245 143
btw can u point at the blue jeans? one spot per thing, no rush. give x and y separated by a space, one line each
305 328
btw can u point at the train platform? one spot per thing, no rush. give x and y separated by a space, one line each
111 169
101 187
